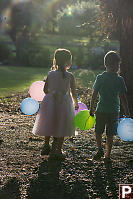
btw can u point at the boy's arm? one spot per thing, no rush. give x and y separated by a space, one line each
73 91
124 103
45 89
92 102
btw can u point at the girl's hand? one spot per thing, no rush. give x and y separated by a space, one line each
76 107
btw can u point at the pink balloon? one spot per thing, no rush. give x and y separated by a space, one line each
82 106
36 90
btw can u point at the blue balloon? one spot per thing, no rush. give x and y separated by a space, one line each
29 106
125 129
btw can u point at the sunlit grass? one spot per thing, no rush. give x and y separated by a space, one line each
18 79
57 39
81 40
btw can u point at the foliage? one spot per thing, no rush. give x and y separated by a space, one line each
117 17
30 19
85 78
20 20
79 18
95 60
5 52
4 4
79 57
96 54
35 55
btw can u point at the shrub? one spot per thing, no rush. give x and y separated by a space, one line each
35 55
5 52
95 61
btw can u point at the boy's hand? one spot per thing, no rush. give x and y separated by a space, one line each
127 115
92 102
124 102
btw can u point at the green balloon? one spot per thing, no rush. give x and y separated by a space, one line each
84 121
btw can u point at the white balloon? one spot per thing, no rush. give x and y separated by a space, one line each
125 129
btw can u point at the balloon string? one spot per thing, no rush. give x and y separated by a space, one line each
78 97
86 122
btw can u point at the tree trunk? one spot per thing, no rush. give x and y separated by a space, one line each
117 18
126 53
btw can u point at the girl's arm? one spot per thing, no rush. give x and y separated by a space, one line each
73 91
45 89
92 102
124 103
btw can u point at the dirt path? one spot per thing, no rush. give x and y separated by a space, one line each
25 174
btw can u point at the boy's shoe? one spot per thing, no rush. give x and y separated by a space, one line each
98 155
107 160
45 150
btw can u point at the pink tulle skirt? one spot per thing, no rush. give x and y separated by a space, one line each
54 118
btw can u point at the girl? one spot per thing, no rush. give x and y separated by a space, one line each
56 114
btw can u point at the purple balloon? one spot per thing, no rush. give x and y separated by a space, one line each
82 106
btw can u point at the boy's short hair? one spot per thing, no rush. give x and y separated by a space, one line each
111 58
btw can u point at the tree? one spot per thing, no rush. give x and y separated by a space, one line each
4 4
47 11
30 19
117 18
20 24
80 18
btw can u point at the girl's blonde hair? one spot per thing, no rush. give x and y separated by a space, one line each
61 58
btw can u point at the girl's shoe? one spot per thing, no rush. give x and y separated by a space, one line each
54 145
45 150
58 156
1 141
98 155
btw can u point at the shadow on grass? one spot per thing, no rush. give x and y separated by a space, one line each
11 190
48 184
104 184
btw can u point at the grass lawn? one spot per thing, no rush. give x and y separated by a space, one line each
18 79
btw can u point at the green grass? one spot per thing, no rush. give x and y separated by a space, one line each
18 79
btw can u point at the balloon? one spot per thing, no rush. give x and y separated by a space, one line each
82 106
125 129
84 121
29 106
36 90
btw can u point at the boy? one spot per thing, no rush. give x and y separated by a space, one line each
111 89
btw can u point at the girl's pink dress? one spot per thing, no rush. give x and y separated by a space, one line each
56 114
